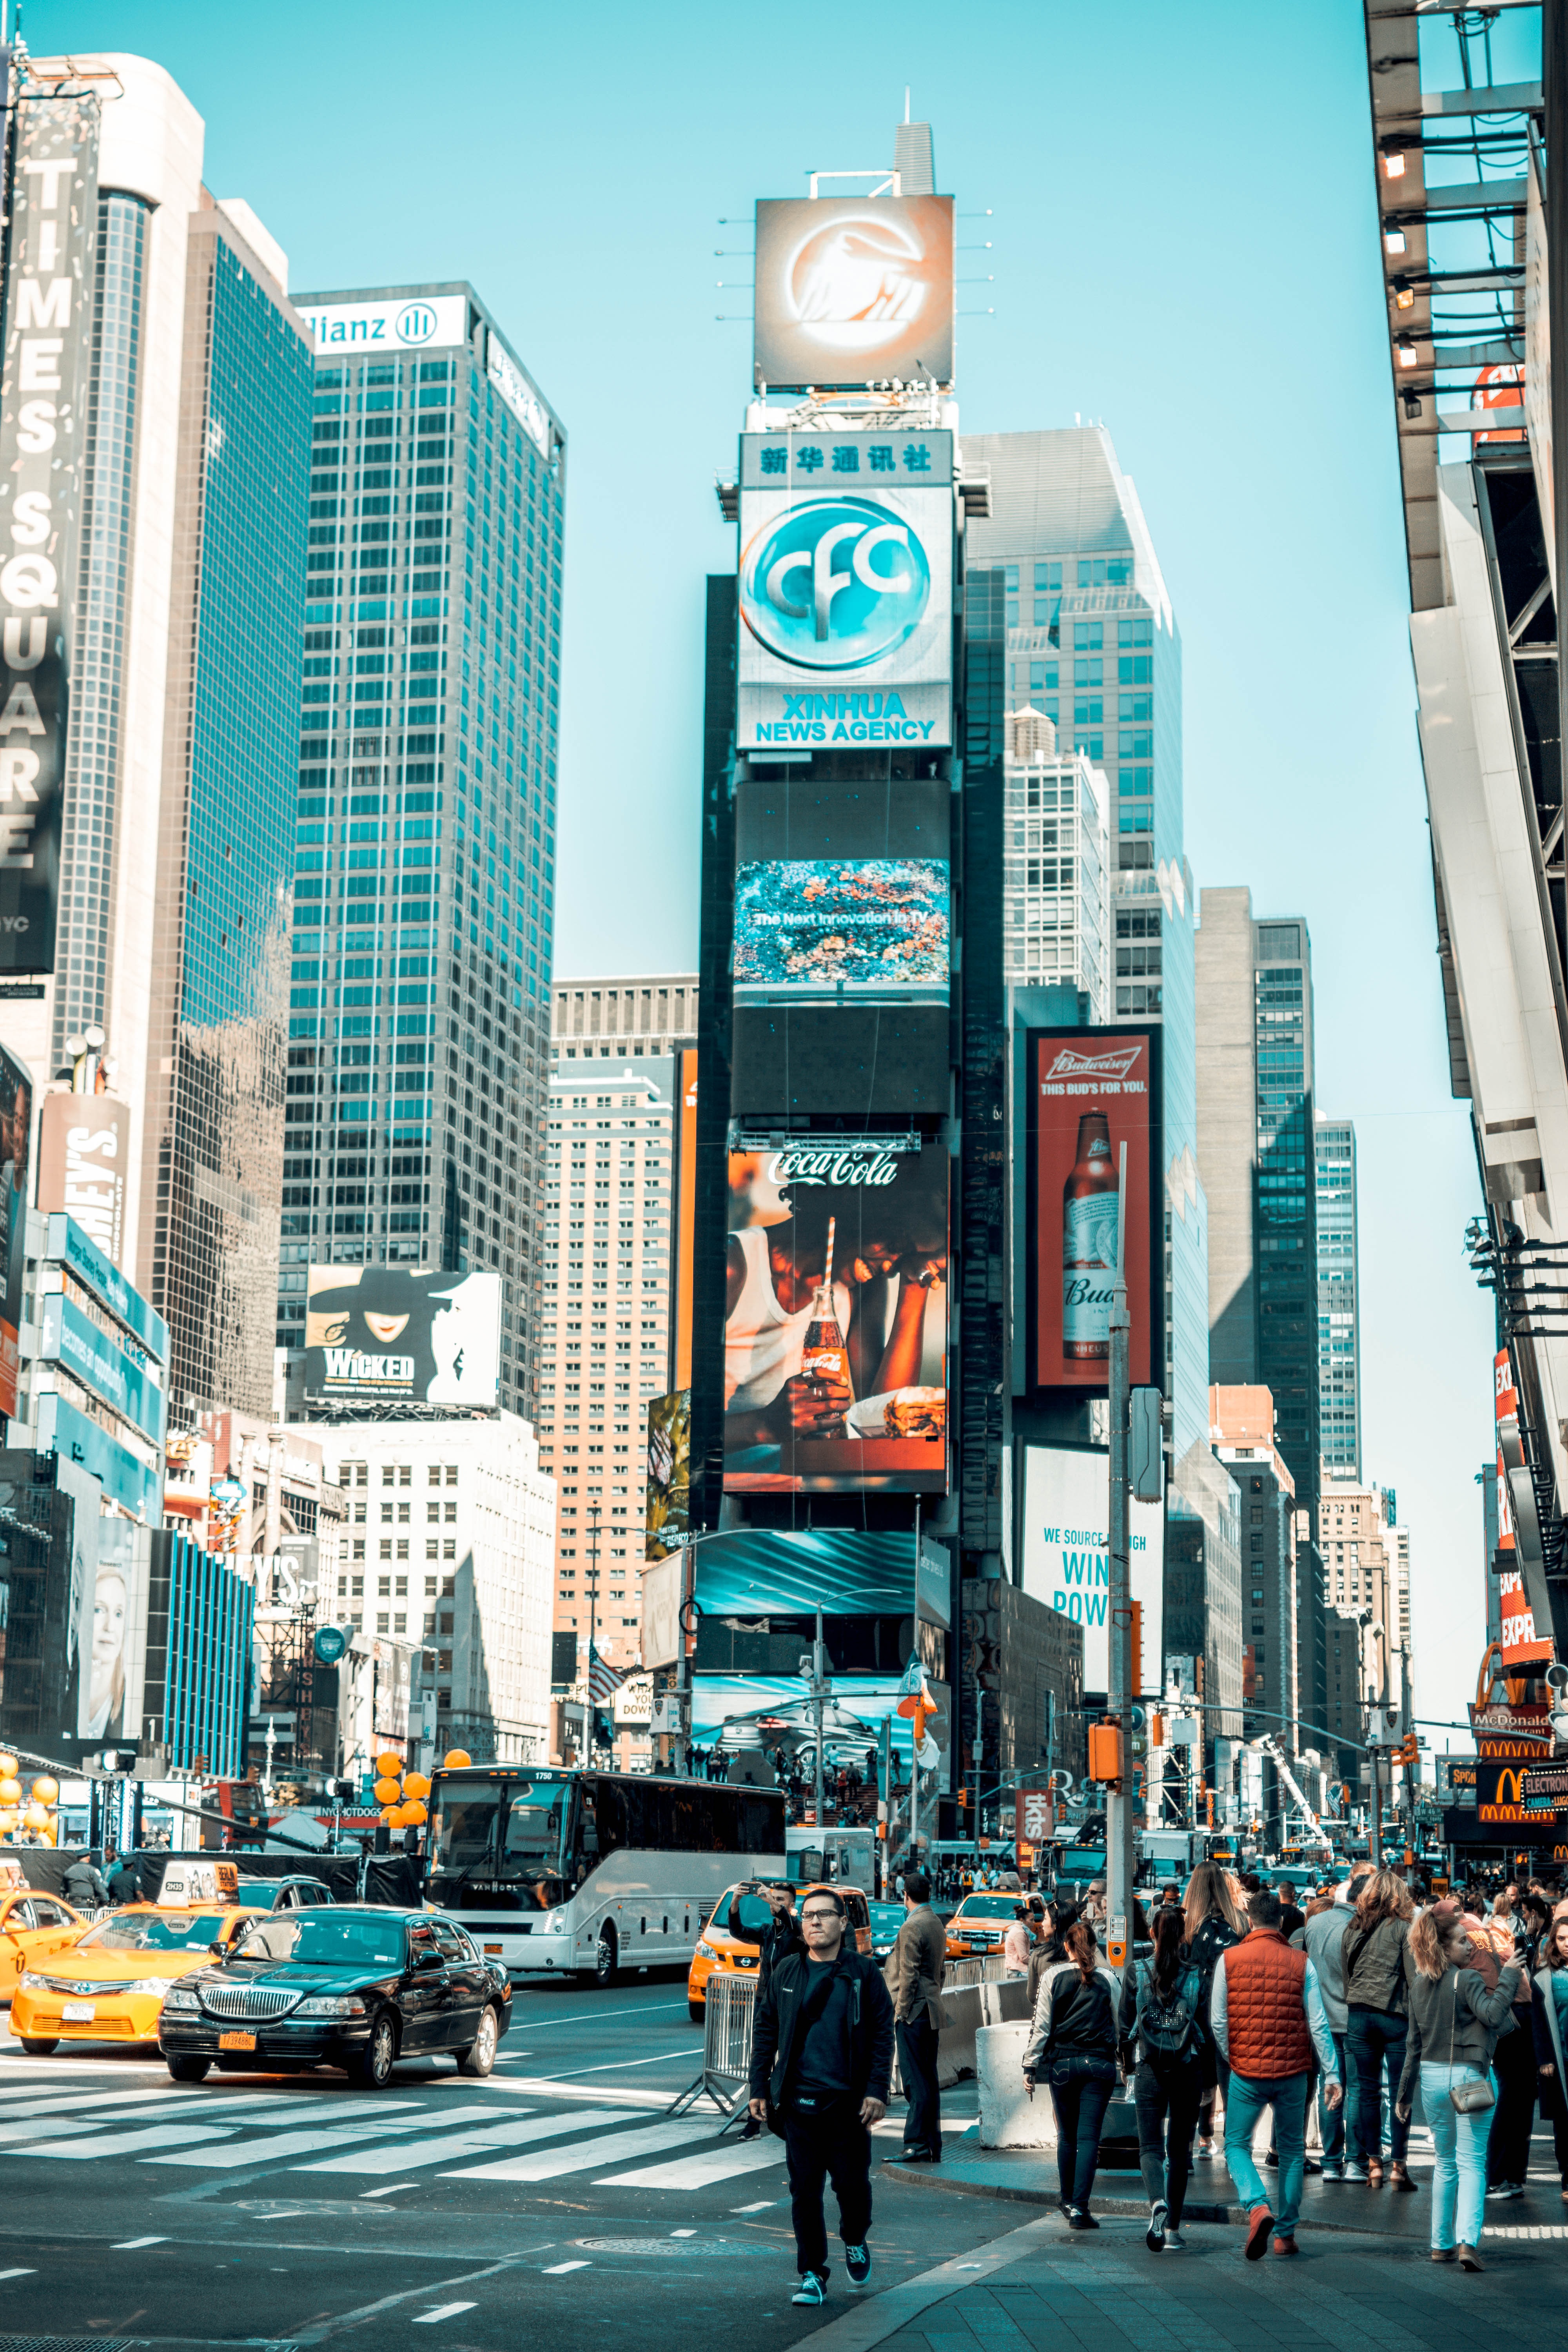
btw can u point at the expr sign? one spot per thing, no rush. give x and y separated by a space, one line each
42 436
845 596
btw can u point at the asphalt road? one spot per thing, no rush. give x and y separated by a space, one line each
265 2210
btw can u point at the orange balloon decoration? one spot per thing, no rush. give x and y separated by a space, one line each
454 1758
414 1814
387 1792
47 1788
414 1784
389 1766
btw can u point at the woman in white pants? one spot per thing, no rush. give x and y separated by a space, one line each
1454 2019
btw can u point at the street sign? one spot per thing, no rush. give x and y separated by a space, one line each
1034 1816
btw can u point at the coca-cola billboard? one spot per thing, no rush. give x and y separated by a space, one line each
1091 1093
836 1329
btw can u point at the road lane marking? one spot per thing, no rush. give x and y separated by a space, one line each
549 2086
552 2162
698 2171
614 2065
556 2270
129 2245
293 2143
442 2311
391 2189
5 2274
597 2017
91 2146
681 2234
443 2147
765 2205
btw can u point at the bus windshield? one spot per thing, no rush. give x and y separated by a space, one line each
502 1838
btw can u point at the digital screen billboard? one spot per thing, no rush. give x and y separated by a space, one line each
853 289
1092 1091
836 1329
392 1334
16 1141
666 1519
1067 1557
846 592
871 926
84 1154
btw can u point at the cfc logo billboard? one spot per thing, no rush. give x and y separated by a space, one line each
835 585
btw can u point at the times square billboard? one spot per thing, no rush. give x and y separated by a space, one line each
853 289
1091 1092
846 589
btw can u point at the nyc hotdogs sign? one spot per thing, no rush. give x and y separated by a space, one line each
43 433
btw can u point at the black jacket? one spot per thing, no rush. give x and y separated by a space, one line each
777 1940
780 1996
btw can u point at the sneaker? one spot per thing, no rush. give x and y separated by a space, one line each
1505 2188
1259 2222
1205 2151
1284 2245
1333 2175
1081 2218
1356 2172
858 2263
1175 2243
1154 2235
813 2288
1311 2165
1271 2161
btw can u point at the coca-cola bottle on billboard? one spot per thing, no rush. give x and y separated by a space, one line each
825 1358
1090 1217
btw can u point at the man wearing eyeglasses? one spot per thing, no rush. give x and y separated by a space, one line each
822 2057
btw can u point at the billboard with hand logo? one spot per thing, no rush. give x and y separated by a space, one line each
851 290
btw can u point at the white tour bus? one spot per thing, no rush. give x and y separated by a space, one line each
556 1872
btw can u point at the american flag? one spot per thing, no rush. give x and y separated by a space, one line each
604 1680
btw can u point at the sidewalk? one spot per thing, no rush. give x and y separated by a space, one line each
1041 2288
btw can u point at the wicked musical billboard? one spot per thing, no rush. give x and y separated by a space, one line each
836 1319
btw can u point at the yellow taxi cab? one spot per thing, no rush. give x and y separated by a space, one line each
979 1924
31 1924
733 1936
110 1985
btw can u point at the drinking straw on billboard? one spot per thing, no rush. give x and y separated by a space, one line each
828 1271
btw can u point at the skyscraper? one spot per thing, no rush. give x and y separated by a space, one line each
1257 1152
1338 1297
425 874
654 1013
1091 642
190 375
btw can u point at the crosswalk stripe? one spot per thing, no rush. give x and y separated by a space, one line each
438 2150
92 2145
442 2311
552 2162
5 2274
261 2111
709 2164
290 2143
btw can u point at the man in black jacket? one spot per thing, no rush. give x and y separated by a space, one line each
822 2052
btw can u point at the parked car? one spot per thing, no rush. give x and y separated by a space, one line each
285 1894
31 1925
352 1985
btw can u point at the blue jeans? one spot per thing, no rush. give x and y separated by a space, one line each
1080 2093
1244 2108
1332 2121
1375 2044
1459 2150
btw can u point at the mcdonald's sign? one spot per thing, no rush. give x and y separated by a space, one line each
1500 1796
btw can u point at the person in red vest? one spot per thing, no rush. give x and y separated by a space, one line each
1268 2016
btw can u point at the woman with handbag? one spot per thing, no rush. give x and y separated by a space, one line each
1453 2023
1373 1957
1212 1923
1073 2045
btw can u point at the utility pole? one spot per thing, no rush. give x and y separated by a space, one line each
914 1744
592 1618
885 1806
1118 1841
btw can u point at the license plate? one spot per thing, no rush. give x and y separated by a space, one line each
236 2042
492 1948
78 2012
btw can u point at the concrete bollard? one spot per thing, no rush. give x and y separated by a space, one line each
1008 2117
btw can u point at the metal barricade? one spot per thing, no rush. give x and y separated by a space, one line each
730 2001
981 1968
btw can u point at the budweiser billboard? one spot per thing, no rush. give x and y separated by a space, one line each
1092 1092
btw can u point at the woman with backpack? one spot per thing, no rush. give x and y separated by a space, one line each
1211 1924
1161 2028
1074 2046
1377 2017
1454 2018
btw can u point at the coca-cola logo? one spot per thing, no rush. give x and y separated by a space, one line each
1118 1062
851 1166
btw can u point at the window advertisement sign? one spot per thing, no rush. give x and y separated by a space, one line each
16 1133
809 928
1092 1091
125 1478
67 1245
1066 1556
43 442
396 1335
836 1330
84 1150
846 589
853 289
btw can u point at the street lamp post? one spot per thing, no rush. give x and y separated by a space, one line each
1119 1844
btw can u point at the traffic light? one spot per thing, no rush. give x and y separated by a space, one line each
1105 1753
1410 1752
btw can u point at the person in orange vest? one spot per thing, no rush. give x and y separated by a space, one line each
1267 2015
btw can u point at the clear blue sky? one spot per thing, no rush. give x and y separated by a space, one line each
1184 246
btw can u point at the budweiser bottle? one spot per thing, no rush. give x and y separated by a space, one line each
1089 1210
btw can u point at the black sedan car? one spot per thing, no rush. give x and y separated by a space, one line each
356 1985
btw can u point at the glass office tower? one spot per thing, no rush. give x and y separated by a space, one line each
424 869
1339 1297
